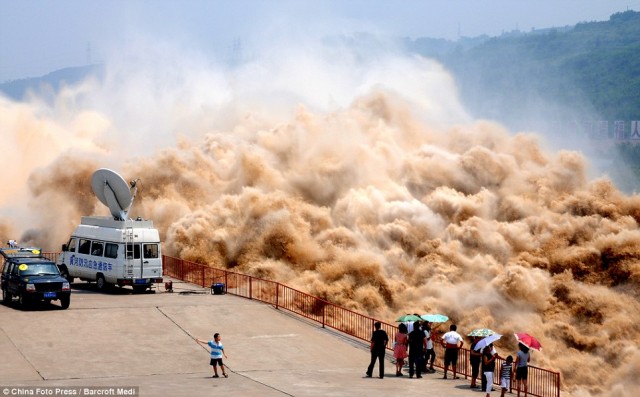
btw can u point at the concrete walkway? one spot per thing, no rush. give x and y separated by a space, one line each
146 341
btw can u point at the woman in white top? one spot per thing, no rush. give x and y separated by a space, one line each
430 355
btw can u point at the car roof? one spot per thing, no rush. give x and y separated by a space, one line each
31 261
21 252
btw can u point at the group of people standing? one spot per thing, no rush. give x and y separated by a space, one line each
417 346
485 361
415 341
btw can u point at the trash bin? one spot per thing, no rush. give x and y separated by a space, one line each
217 289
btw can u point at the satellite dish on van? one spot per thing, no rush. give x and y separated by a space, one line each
114 192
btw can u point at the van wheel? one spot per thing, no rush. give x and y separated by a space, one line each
138 289
101 283
64 272
6 297
65 301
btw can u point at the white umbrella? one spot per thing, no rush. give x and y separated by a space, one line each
482 343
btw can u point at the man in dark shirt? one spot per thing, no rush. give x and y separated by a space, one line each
379 340
417 348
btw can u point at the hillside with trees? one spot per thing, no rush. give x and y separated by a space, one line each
593 66
554 78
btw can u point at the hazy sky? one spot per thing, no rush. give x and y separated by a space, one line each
37 37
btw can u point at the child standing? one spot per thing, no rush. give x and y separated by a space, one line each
506 372
217 351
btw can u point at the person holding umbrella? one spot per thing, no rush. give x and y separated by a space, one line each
430 335
482 344
488 367
430 355
525 342
522 366
475 357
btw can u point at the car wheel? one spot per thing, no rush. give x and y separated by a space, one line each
6 297
24 301
65 301
101 283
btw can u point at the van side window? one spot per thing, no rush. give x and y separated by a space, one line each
97 248
150 251
133 249
85 247
14 269
111 250
71 246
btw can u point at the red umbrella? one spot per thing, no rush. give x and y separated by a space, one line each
528 340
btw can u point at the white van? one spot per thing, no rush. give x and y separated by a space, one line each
113 252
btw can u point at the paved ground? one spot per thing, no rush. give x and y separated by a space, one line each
147 341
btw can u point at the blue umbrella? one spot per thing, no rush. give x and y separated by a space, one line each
435 318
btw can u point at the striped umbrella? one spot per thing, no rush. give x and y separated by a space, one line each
481 332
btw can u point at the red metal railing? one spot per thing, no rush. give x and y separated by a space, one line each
52 256
541 382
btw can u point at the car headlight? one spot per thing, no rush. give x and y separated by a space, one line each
31 287
66 287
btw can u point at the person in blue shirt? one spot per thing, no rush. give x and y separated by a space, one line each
217 351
